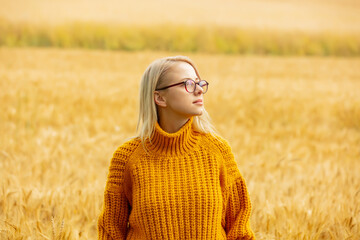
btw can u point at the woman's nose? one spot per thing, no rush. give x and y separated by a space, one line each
198 90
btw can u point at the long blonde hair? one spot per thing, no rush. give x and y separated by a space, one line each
153 76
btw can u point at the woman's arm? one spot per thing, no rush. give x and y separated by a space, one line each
237 211
113 220
237 205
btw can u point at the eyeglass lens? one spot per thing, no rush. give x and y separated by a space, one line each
190 85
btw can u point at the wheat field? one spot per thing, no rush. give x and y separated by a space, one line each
293 124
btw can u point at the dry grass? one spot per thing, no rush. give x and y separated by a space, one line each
293 123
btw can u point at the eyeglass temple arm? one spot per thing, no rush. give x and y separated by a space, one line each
169 86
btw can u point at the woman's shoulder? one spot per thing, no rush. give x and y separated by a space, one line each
229 167
218 142
128 147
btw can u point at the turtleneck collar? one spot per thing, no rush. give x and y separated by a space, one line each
173 143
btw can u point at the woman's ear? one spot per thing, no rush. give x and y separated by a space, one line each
159 100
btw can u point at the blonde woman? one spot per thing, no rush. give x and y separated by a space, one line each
177 179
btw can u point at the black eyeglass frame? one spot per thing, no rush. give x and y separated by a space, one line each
184 82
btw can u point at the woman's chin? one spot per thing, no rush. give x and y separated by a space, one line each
199 113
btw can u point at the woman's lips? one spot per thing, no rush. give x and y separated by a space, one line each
199 102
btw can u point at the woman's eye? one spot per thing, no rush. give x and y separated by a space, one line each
190 83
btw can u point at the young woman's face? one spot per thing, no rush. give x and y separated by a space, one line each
178 100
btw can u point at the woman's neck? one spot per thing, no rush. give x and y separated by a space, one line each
172 125
163 142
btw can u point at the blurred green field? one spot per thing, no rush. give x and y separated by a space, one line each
293 124
276 27
177 38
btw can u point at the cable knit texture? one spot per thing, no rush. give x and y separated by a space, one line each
187 186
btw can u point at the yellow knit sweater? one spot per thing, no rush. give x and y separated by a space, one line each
188 187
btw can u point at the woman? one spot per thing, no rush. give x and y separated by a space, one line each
176 179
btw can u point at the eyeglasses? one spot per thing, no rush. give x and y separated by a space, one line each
190 85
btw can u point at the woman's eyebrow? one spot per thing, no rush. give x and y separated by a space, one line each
191 78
